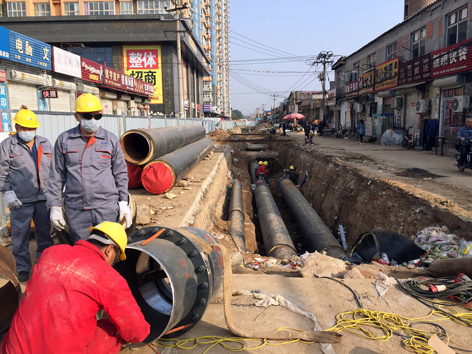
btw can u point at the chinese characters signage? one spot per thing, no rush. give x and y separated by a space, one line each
206 107
5 127
92 71
366 83
112 78
4 43
30 51
386 75
144 62
352 89
415 70
66 63
452 59
49 93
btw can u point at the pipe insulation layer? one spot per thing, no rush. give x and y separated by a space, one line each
253 166
143 145
159 176
236 216
10 290
171 277
277 241
317 235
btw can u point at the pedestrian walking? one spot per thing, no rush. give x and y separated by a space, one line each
70 284
25 159
361 130
89 162
306 129
284 127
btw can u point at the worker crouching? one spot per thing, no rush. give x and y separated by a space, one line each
70 284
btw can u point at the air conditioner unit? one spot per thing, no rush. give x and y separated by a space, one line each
358 107
422 106
460 103
397 103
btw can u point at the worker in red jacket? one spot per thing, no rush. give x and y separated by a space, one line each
263 169
70 284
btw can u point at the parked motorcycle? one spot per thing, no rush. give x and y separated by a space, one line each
468 159
407 142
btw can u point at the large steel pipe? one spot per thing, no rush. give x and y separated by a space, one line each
10 290
159 176
451 267
170 276
317 235
236 216
253 166
277 241
143 145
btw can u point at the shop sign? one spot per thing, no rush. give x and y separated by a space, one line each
453 92
386 75
206 107
66 62
144 62
49 93
112 78
416 70
127 82
331 97
451 60
366 83
352 89
30 51
5 127
3 76
4 43
92 71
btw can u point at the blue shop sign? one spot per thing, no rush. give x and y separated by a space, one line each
30 51
4 43
4 106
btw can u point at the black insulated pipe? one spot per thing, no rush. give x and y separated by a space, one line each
236 216
10 290
277 241
143 145
170 277
253 166
317 235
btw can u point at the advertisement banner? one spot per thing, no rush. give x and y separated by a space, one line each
416 70
66 62
366 83
206 107
144 62
112 78
352 89
127 82
92 71
4 43
451 60
386 75
30 51
5 127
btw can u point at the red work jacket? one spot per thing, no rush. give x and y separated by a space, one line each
262 169
57 313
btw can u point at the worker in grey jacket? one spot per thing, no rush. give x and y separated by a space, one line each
90 163
24 171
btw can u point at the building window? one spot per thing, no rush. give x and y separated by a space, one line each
99 8
71 8
16 9
418 41
153 6
371 61
457 26
126 7
42 9
391 51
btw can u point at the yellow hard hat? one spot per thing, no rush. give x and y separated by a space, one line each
292 168
260 162
87 102
26 118
116 232
266 163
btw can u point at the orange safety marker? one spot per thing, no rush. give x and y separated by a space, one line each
178 329
156 235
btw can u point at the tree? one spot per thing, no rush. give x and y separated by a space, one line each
236 114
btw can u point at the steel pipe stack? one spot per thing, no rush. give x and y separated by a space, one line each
277 241
141 146
317 235
171 277
159 176
10 290
236 216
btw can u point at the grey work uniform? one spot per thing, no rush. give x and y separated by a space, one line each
26 172
95 177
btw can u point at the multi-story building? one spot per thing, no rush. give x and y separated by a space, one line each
88 29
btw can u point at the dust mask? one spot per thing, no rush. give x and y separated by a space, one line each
27 136
90 125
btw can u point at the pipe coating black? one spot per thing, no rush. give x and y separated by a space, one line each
236 216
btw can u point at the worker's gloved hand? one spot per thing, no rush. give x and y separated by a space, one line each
57 218
125 214
11 200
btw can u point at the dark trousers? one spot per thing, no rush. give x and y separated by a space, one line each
361 137
464 151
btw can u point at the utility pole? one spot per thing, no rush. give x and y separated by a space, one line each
324 58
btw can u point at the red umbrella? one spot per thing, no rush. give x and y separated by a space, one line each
293 116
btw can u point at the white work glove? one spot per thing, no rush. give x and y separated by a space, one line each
11 200
125 214
57 218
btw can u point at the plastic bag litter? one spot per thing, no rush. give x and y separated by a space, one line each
440 244
392 137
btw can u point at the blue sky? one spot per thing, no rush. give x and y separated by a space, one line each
287 33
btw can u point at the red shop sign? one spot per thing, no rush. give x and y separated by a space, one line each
453 59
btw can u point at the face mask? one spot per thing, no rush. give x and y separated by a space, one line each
27 136
90 125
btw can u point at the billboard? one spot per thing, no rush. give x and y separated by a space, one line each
30 51
144 62
452 60
66 62
386 75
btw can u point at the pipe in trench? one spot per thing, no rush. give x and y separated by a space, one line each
277 241
253 166
236 216
451 267
170 276
317 235
143 145
159 176
10 290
